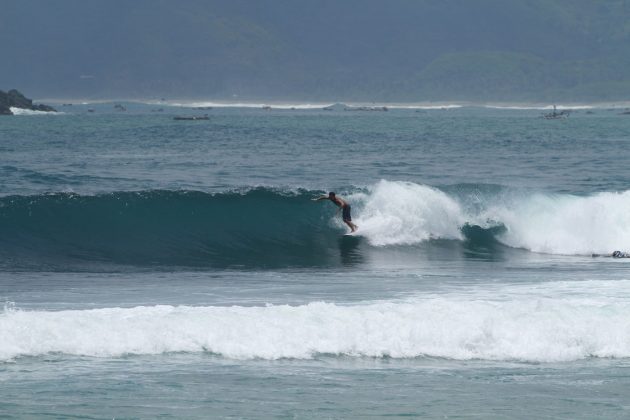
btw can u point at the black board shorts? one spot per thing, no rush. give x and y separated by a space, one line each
345 212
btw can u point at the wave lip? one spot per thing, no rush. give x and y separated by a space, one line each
530 330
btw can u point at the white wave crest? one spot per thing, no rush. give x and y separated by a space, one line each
395 213
525 328
218 104
566 224
426 106
22 111
541 107
404 213
301 105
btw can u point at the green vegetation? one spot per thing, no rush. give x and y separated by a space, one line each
367 50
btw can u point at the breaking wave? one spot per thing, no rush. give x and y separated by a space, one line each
22 111
264 227
523 326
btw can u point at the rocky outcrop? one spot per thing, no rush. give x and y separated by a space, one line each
15 99
4 104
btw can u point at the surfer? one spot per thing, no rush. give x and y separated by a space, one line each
344 207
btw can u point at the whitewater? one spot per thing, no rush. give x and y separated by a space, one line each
524 325
398 213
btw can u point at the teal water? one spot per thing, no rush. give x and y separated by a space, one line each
160 268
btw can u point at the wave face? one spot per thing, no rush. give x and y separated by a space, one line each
259 227
520 327
269 228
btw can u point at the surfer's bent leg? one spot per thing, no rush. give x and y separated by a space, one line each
347 218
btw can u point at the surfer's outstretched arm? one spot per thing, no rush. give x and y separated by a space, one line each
320 198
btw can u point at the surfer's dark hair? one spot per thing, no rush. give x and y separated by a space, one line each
331 194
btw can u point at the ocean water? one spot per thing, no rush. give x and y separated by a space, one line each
178 269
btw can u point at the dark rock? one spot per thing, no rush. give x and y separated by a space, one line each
45 108
4 104
18 100
15 98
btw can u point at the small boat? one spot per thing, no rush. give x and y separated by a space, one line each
366 108
555 115
192 118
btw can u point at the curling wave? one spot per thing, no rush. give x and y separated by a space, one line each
259 227
264 227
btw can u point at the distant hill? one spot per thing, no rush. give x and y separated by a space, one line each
330 50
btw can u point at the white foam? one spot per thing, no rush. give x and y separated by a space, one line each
525 325
404 213
396 213
301 105
22 111
427 106
217 104
565 224
541 107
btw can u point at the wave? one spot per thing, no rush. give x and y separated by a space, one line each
565 224
521 327
22 111
265 227
403 213
219 104
544 107
259 227
302 105
396 213
425 106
